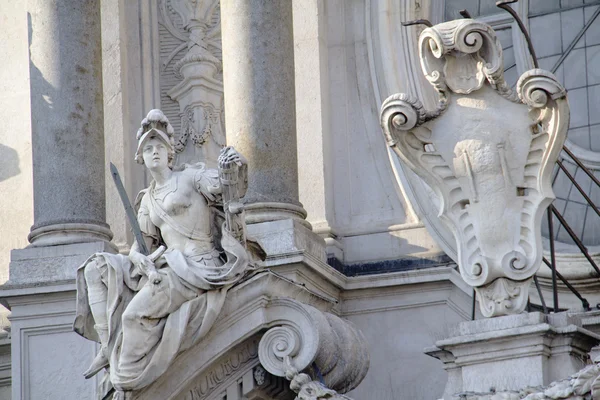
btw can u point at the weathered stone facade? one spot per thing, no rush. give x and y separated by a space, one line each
349 232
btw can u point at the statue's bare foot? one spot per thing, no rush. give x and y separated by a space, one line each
100 362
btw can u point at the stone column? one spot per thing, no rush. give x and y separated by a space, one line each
260 115
67 122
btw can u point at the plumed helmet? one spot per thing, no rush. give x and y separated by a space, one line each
156 124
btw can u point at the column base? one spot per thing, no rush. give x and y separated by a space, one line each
513 352
68 233
272 211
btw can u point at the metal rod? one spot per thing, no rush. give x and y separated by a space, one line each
508 8
464 14
418 22
580 164
583 193
578 242
574 42
552 257
473 306
539 290
584 302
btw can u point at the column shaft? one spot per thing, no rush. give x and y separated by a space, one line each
67 122
260 115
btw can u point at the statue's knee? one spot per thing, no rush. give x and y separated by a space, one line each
92 271
129 316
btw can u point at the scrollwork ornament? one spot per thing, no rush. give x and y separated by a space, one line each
198 31
461 55
400 112
491 173
537 86
277 345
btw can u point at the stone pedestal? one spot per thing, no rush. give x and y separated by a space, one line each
41 296
297 253
513 352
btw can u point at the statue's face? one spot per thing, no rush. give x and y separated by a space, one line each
156 154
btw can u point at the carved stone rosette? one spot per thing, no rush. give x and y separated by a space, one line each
487 151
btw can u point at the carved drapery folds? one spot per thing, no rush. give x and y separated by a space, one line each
196 23
487 151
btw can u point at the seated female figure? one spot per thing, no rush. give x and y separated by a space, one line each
145 309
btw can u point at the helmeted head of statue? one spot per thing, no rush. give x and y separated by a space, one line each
155 125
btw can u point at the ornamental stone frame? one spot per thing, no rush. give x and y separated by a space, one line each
492 174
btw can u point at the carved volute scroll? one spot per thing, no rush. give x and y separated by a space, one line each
321 354
487 151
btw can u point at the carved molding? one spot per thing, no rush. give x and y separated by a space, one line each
491 172
221 371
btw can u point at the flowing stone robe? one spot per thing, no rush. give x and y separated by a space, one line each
145 336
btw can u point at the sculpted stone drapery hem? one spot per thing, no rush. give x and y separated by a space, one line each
487 151
146 309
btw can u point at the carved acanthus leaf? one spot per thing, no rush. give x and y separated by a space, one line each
502 296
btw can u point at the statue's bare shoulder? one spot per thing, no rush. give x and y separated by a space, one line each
203 179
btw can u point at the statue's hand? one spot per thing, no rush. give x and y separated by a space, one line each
155 277
144 263
230 156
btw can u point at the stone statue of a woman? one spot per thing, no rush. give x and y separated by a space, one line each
146 309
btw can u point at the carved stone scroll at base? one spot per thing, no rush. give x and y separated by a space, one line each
325 356
487 151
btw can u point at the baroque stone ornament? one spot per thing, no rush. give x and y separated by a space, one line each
191 247
487 151
197 24
320 354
